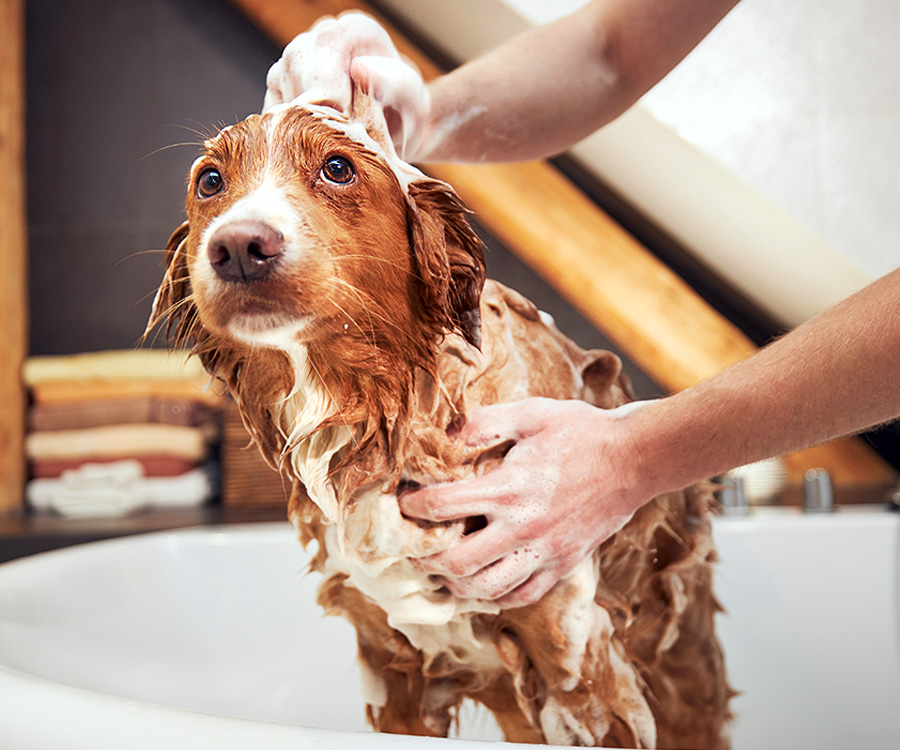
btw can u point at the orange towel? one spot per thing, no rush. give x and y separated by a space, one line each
154 465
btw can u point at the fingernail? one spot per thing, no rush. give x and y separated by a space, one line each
405 486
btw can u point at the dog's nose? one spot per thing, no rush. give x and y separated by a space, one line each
245 251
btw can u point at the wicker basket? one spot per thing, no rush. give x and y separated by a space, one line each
247 480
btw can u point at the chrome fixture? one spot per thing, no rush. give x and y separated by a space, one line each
733 497
819 495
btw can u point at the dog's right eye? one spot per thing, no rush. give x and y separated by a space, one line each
209 183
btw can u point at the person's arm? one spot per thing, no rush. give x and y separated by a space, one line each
836 374
531 97
575 472
550 87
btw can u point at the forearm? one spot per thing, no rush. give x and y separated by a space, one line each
550 87
837 374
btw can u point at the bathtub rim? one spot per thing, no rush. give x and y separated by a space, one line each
99 720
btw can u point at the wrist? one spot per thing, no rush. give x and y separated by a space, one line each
622 457
649 462
435 141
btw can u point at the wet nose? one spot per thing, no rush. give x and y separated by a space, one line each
245 251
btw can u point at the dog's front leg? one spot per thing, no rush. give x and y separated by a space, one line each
402 699
584 688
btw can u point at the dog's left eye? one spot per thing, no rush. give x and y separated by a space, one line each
338 169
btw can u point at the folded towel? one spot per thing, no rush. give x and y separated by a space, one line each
153 466
72 415
120 441
128 364
118 374
118 489
56 391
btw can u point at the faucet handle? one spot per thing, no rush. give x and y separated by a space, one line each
733 496
819 495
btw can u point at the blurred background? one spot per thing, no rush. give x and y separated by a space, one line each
762 170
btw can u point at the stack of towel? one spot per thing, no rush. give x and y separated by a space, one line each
110 432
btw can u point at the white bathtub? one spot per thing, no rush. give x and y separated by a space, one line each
152 641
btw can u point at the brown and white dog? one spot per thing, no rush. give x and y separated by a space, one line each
340 296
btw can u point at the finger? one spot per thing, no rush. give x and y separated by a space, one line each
271 99
531 590
453 501
274 94
392 83
366 36
510 421
470 554
494 581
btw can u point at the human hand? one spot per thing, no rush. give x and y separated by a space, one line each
322 66
567 484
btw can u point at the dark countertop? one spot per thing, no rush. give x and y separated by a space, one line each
25 533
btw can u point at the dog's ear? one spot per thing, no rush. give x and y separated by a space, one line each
605 384
448 259
172 300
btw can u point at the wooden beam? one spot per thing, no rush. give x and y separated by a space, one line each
13 254
659 322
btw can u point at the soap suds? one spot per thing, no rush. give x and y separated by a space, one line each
373 546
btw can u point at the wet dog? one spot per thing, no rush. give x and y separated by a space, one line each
340 295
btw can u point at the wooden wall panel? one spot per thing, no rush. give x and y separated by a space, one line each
13 298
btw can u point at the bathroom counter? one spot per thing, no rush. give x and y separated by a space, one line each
25 533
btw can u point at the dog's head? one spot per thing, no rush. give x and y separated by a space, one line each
304 233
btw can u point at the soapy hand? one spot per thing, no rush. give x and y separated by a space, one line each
560 491
322 66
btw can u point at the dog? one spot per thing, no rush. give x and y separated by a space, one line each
340 295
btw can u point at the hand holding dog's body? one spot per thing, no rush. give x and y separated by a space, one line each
562 489
834 375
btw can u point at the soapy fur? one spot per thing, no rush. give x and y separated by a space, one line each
353 364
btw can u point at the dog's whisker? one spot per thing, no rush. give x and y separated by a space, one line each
353 321
170 146
137 254
394 264
205 133
369 301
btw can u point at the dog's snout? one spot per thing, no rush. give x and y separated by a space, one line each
245 251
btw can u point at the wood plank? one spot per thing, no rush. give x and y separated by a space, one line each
657 320
13 252
651 314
